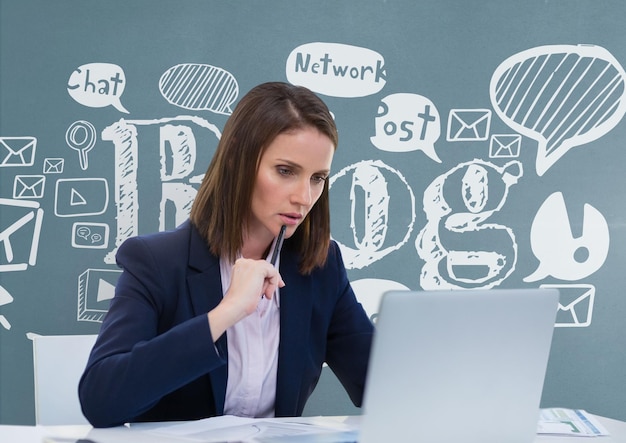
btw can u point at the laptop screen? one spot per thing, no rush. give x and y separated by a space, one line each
458 366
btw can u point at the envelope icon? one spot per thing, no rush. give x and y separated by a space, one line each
505 145
21 220
28 186
17 151
468 125
53 165
575 305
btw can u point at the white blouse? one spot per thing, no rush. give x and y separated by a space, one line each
252 355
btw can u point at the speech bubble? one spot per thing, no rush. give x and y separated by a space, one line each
90 235
83 232
98 85
337 70
199 87
407 122
561 254
562 96
369 292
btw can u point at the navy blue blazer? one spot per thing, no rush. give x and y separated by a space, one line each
154 359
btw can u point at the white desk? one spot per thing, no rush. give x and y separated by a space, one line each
73 434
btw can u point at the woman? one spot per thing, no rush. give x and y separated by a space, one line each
201 323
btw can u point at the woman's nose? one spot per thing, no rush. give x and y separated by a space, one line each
302 193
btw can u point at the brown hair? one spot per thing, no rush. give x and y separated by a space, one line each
222 206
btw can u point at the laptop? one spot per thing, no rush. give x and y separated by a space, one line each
458 366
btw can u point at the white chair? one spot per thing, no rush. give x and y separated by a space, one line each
59 361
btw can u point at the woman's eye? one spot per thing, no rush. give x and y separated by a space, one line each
319 178
284 171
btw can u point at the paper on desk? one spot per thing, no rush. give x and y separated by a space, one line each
229 428
570 422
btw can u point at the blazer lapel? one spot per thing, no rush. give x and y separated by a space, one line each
205 292
205 283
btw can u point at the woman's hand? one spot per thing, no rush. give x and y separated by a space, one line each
251 279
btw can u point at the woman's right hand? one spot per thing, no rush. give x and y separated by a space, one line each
251 279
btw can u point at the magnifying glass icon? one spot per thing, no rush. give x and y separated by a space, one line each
81 136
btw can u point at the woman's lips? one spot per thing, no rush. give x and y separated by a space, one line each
291 219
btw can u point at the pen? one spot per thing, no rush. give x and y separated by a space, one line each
279 244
